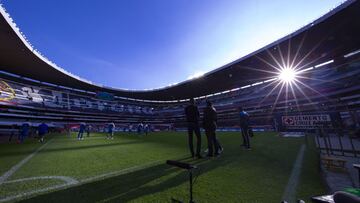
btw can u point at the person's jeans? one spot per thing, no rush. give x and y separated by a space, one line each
21 137
245 135
194 127
213 143
80 135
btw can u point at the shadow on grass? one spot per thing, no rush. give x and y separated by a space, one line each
5 154
160 138
126 187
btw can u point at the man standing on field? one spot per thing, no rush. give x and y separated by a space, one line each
24 132
192 118
42 130
244 125
111 129
81 131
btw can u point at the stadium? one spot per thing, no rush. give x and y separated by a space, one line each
302 93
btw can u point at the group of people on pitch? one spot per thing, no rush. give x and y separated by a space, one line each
82 129
26 130
110 129
209 124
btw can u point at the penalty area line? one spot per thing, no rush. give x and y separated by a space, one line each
13 169
70 182
66 179
30 193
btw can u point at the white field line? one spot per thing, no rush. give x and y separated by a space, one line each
290 190
75 182
10 172
26 194
67 180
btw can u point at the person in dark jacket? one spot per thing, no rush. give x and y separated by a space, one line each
13 132
111 128
209 124
87 129
244 125
192 117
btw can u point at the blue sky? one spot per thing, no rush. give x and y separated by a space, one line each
148 44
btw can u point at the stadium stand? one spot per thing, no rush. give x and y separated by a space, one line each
21 101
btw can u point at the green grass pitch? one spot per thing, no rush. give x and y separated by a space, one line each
132 168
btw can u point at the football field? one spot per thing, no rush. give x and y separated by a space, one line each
131 168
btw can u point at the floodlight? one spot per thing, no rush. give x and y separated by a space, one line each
287 75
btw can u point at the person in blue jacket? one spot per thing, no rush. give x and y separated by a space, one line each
81 131
111 128
24 132
42 130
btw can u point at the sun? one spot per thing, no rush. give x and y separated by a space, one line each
287 75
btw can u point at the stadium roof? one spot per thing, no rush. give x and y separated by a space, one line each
327 38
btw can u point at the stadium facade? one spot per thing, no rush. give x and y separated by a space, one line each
325 54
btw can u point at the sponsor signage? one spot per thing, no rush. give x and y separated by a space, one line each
305 121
